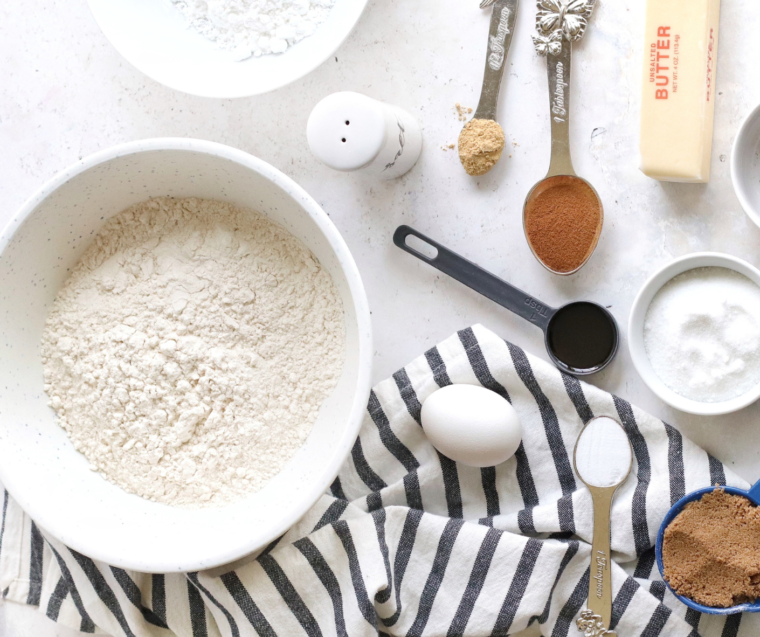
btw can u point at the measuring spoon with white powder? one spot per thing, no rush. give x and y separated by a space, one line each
603 459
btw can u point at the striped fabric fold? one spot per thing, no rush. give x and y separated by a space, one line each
409 543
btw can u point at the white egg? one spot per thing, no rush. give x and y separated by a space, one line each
471 425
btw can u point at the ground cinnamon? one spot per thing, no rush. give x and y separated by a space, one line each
563 218
711 551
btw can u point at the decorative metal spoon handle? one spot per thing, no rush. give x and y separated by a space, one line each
499 39
600 585
558 67
559 23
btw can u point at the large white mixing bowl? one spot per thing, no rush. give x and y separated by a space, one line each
152 35
38 464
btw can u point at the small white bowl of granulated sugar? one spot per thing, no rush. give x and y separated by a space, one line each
227 48
187 355
694 333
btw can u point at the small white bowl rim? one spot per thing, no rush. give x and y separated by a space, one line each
636 331
224 555
317 61
737 179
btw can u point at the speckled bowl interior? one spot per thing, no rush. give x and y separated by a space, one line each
39 465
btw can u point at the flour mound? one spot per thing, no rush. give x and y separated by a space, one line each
190 350
254 27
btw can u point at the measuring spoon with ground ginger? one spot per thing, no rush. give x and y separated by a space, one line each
481 141
562 215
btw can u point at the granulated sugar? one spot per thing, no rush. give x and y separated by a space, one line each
702 334
190 350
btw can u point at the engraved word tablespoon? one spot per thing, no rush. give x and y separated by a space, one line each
559 23
480 161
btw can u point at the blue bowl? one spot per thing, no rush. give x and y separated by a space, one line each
753 495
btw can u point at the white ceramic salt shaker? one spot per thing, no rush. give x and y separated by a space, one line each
350 131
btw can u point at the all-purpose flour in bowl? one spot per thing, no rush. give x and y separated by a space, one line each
702 334
190 350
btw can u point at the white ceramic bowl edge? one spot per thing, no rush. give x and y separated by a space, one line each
152 36
745 165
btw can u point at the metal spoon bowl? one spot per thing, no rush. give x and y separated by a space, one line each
545 184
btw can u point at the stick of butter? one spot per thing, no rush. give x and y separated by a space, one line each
678 89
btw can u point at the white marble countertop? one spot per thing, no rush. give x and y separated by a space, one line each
65 93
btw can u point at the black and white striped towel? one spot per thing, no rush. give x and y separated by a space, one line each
410 543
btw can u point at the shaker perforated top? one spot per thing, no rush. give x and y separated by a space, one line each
346 131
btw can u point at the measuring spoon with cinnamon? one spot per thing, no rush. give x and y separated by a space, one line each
562 215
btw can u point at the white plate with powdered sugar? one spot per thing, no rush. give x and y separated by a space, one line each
159 39
40 466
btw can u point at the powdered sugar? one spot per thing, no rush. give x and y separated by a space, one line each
254 27
190 350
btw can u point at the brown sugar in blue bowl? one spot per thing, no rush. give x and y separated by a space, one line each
709 551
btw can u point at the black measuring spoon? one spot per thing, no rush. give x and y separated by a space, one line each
581 337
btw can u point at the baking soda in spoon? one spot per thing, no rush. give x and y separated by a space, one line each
603 453
603 459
